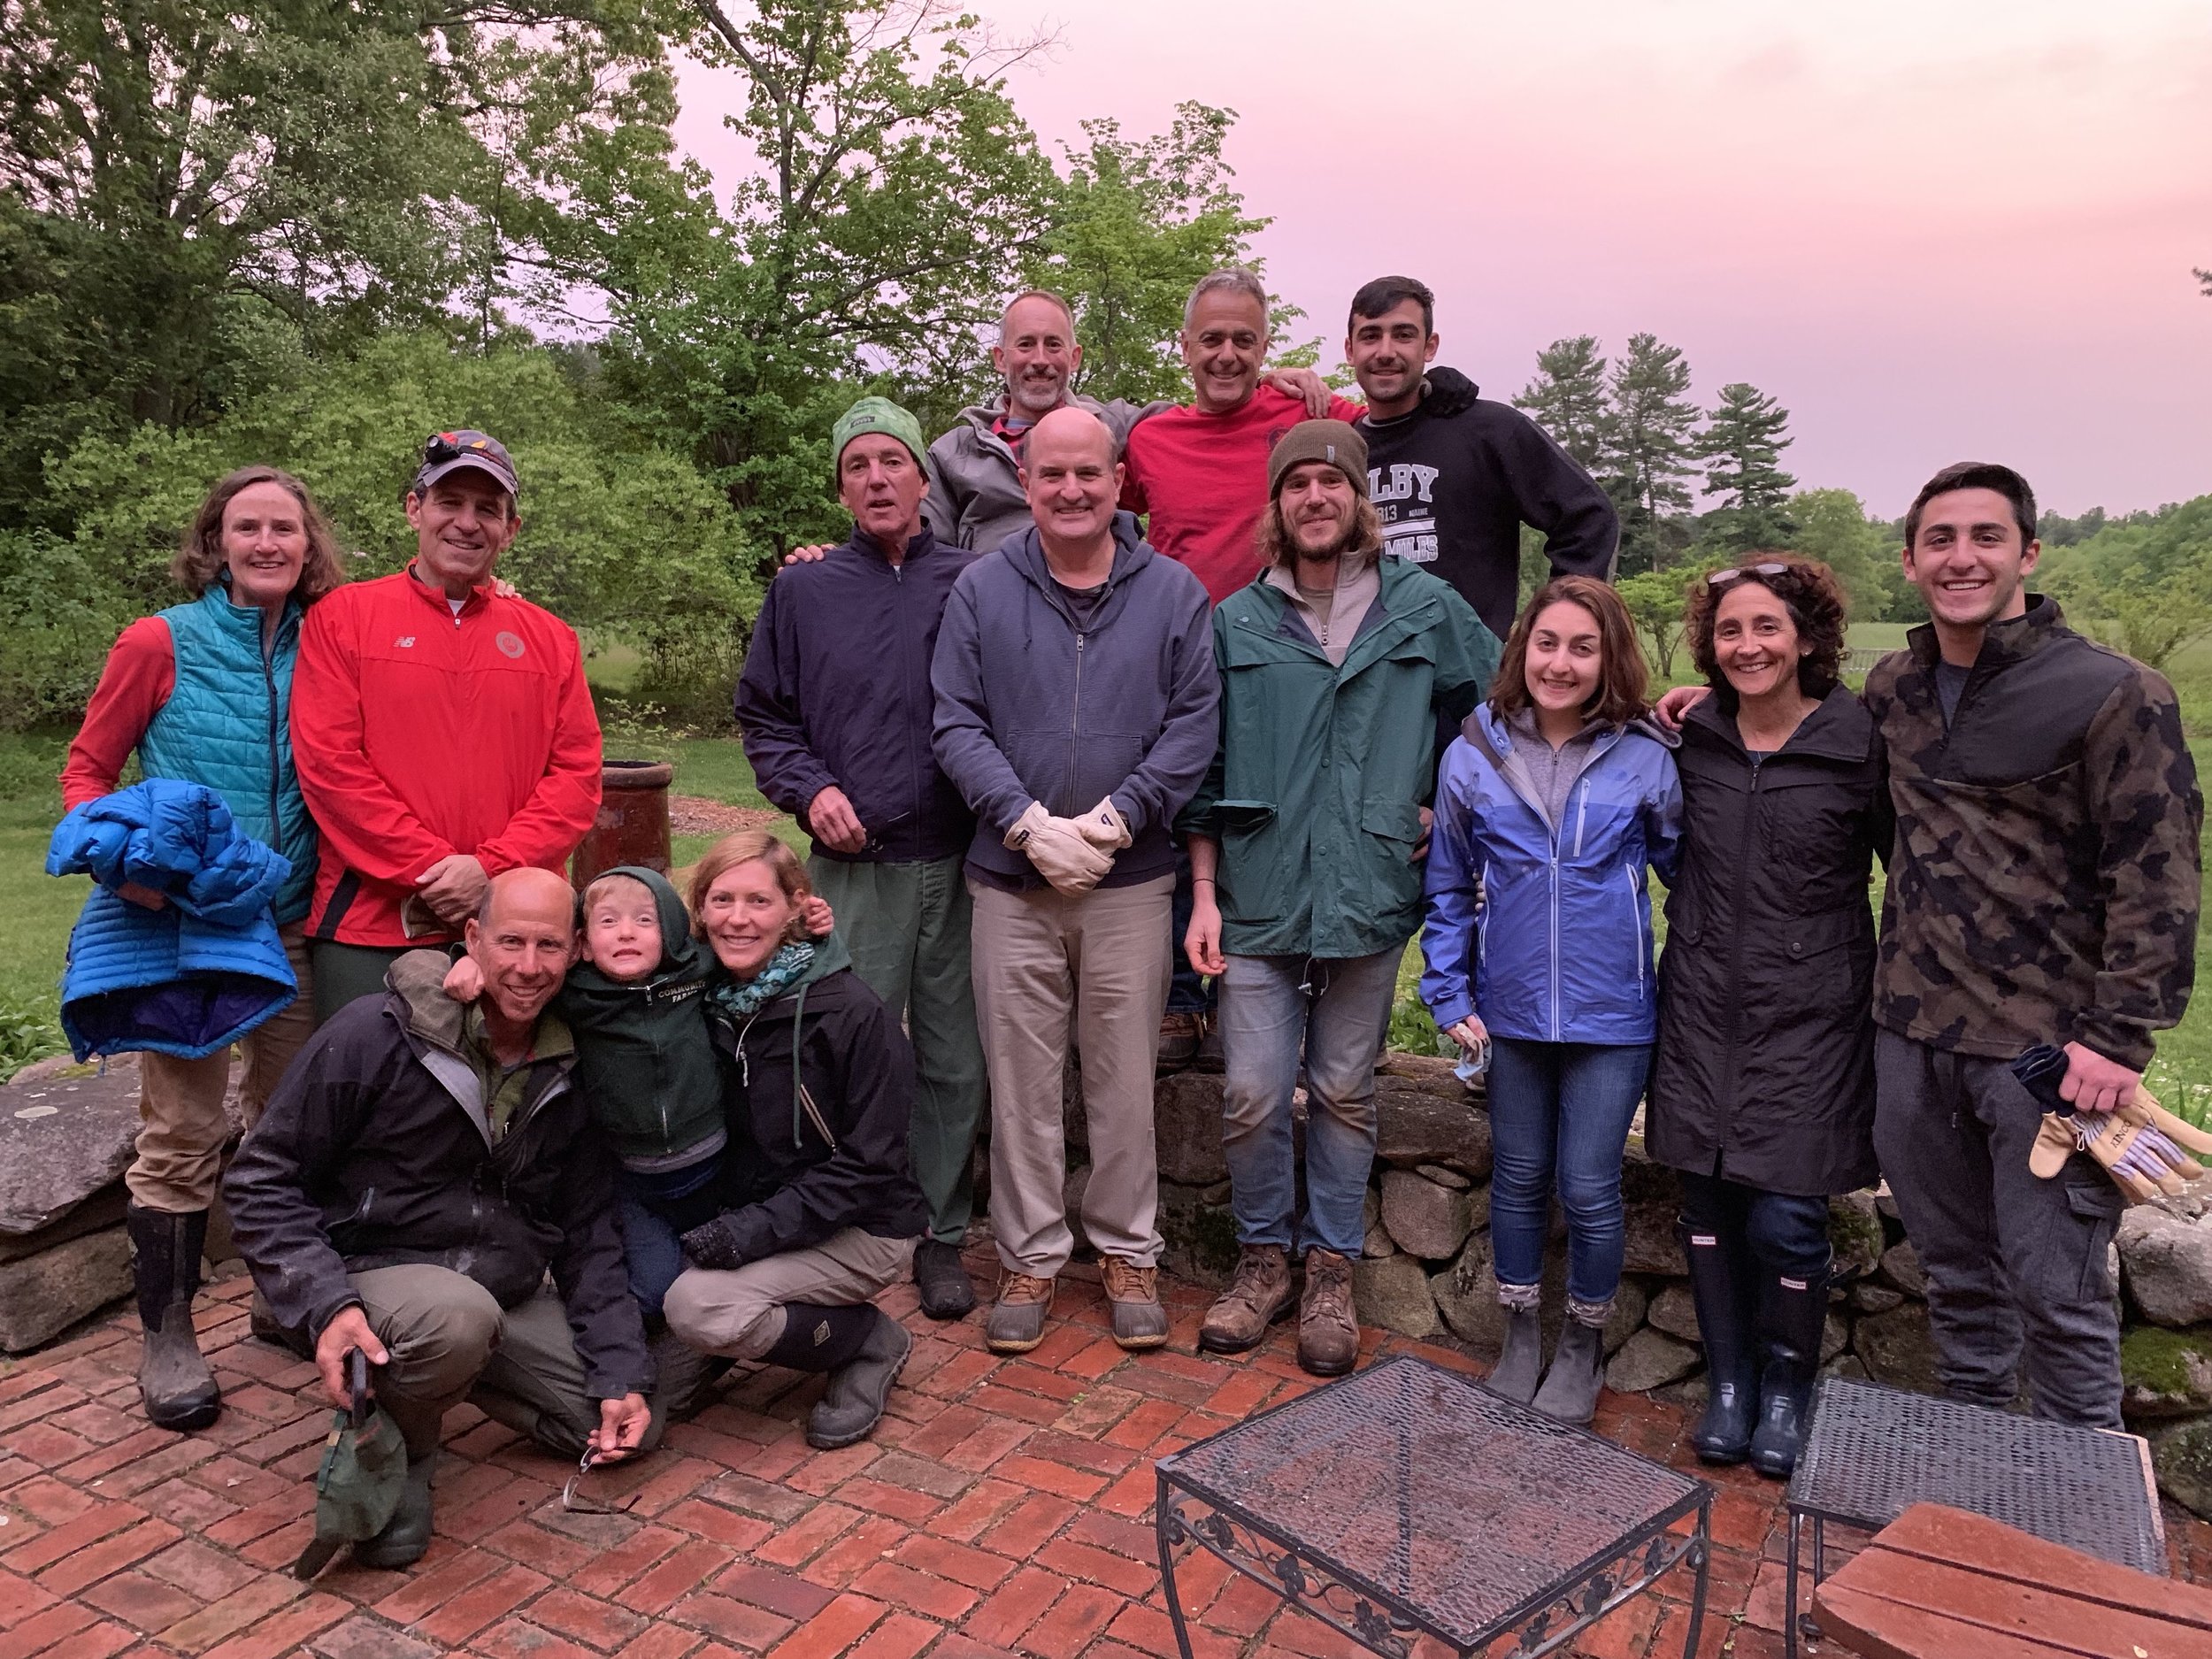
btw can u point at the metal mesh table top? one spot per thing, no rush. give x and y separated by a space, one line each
1454 1502
1874 1452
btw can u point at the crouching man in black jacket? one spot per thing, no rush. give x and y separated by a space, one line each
422 1165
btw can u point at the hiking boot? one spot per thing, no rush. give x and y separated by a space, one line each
1257 1298
1569 1392
1133 1292
407 1534
1328 1336
948 1293
1212 1059
174 1381
1179 1037
1018 1317
852 1405
1522 1362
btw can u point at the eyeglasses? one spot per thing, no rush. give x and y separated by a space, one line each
1719 578
576 1503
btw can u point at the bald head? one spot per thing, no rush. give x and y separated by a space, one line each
522 940
1070 478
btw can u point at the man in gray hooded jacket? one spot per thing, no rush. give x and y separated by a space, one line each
1078 709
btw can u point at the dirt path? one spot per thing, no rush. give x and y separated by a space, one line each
696 815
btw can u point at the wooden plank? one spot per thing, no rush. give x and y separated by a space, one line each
1879 1629
1978 1602
1937 1533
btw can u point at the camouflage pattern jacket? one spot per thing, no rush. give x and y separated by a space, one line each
2045 883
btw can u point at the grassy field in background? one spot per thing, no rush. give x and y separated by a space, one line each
36 910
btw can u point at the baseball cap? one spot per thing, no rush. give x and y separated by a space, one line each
448 452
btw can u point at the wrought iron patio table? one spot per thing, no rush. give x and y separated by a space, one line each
1874 1452
1407 1500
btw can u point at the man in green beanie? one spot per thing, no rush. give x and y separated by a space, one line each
1336 665
835 708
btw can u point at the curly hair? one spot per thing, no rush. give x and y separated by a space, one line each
1623 674
200 562
1808 591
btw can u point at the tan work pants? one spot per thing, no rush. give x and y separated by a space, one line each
1094 967
737 1313
182 1130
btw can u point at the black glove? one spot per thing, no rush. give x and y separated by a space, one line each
713 1244
1449 393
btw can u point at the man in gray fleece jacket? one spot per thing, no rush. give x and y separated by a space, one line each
1078 709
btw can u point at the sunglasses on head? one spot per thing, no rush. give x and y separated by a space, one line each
1720 577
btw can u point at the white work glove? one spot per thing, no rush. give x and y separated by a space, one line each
1058 850
1104 828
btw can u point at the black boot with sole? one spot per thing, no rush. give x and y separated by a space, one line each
1723 1295
1792 1314
174 1381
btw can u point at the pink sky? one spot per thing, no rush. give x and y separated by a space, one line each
1935 229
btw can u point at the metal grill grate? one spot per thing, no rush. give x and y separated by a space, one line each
1874 1452
1452 1501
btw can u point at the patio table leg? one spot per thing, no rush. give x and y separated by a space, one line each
1702 1551
1789 1593
1163 1529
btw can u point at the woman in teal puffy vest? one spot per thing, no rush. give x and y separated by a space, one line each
203 693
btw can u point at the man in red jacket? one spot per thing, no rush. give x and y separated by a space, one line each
443 732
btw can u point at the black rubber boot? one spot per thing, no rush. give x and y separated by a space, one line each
859 1390
948 1293
1723 1296
174 1381
1522 1363
819 1338
1791 1316
1569 1393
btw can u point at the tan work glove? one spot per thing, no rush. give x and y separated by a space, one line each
2140 1146
1058 850
1104 828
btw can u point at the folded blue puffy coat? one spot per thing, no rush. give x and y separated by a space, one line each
200 972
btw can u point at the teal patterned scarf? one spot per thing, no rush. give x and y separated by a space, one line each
747 997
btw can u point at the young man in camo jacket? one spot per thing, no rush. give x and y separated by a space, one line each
2044 888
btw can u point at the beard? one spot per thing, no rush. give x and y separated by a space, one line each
1343 539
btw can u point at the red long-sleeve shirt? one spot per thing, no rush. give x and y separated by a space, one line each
420 733
140 673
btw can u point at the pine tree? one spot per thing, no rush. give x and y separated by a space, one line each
1567 398
1742 446
1652 418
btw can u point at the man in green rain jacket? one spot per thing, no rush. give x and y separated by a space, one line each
1336 666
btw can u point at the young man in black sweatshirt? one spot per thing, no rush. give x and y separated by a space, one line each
1453 490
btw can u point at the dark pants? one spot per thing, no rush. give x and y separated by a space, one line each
1775 1234
1188 991
346 973
2017 1276
658 1210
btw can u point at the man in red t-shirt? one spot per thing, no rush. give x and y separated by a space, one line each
1200 471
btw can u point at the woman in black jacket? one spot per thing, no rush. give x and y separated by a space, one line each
1762 1091
821 1211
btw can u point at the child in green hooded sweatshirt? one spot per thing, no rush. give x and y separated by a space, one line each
645 1063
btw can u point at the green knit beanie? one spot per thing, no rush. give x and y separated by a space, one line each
877 414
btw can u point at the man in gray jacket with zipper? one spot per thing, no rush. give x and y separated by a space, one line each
1078 709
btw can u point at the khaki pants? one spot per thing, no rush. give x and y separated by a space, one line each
450 1340
907 927
1096 966
182 1131
739 1314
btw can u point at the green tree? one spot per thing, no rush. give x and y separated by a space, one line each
2144 585
1567 398
1832 528
1742 446
1653 421
1655 599
1137 222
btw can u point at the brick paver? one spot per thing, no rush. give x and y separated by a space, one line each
1002 1509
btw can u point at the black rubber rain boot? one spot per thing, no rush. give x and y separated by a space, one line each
1792 1313
1723 1296
174 1381
852 1405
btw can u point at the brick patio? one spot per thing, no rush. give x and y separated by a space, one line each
1001 1508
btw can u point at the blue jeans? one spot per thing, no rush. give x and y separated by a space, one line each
1271 1008
1560 1111
658 1210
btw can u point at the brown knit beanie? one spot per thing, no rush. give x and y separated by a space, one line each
1330 440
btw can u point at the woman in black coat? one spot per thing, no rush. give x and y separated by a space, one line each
1762 1091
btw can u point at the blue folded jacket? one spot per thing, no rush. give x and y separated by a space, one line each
194 976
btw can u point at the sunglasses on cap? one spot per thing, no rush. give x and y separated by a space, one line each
1720 577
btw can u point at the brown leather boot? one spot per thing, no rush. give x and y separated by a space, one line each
1133 1292
1328 1335
1258 1296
